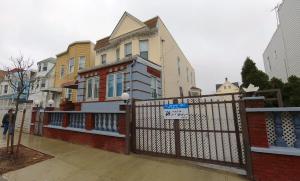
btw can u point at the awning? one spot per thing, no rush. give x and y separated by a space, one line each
70 85
52 89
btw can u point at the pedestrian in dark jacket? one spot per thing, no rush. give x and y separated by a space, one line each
5 122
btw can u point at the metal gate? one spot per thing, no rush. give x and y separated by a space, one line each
213 132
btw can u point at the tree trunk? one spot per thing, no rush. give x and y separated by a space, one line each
21 131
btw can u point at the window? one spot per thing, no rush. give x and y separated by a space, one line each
118 54
81 63
92 88
115 85
178 65
187 74
68 94
154 87
71 65
191 77
128 50
103 59
43 84
40 67
5 89
144 49
45 65
62 71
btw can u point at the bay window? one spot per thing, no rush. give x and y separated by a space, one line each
144 49
115 84
154 87
92 88
71 65
81 63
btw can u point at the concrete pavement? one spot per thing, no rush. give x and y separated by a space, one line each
77 162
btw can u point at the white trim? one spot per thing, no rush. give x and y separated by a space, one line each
114 97
93 98
279 109
105 133
72 58
277 150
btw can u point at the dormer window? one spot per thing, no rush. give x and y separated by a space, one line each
128 49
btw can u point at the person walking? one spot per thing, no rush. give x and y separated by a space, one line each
5 123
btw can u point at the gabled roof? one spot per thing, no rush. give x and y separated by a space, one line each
151 23
219 85
126 15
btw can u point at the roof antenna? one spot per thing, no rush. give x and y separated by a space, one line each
276 8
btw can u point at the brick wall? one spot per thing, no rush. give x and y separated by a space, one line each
274 167
109 143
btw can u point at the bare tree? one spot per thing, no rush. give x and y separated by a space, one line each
19 77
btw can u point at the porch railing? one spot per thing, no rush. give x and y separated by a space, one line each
283 126
90 122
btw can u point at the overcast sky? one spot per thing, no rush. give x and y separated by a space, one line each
216 36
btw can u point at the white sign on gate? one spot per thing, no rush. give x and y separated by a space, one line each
176 111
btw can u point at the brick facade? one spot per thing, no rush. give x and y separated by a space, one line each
109 143
273 167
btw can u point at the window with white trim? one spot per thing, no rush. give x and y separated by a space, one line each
103 59
71 65
81 63
62 71
68 94
115 84
144 49
92 88
118 54
45 66
154 87
5 89
128 49
43 83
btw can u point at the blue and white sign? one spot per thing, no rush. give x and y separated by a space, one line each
176 111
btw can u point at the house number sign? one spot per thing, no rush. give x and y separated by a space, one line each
176 111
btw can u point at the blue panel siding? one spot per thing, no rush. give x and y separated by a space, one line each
102 106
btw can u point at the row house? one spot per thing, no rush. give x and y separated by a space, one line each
42 88
78 56
149 44
152 41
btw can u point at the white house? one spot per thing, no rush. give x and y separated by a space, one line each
282 55
42 88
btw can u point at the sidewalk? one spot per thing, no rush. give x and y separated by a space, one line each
76 162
